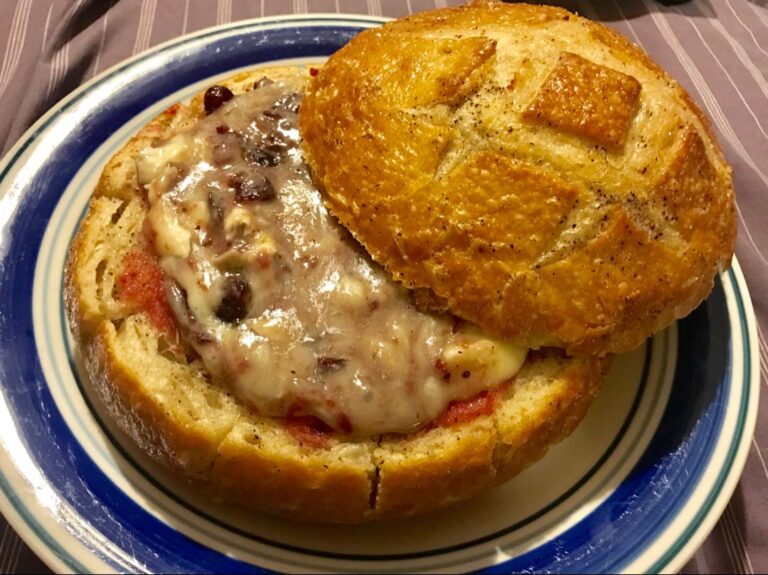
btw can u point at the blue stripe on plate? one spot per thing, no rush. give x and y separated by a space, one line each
740 430
662 480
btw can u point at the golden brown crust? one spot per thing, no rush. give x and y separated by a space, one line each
587 100
183 419
535 170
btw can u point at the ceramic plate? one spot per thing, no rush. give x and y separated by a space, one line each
636 488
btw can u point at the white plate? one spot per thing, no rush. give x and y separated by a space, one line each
636 488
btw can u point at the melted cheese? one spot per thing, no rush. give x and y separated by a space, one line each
279 301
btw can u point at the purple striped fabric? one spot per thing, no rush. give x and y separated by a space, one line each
718 49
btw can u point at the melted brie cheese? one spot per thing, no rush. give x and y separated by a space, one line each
279 301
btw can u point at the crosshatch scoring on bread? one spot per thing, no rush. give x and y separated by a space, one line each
564 140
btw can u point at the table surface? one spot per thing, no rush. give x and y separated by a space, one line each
718 49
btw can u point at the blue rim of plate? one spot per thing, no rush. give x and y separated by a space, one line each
104 522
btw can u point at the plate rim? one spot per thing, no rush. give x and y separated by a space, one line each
704 522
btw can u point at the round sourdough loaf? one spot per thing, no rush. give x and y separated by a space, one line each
161 395
535 170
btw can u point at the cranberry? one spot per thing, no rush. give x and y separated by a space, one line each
215 97
252 188
235 299
264 157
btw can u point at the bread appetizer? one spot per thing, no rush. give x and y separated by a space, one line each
320 368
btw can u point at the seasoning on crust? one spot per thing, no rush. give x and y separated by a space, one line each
138 356
536 171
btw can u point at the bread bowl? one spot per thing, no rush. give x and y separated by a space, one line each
168 394
161 394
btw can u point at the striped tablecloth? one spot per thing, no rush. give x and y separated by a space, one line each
718 49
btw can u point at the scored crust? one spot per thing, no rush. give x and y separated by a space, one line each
535 170
172 408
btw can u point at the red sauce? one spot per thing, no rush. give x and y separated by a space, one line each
313 72
483 403
309 431
141 284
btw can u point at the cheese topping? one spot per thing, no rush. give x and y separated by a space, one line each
279 301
